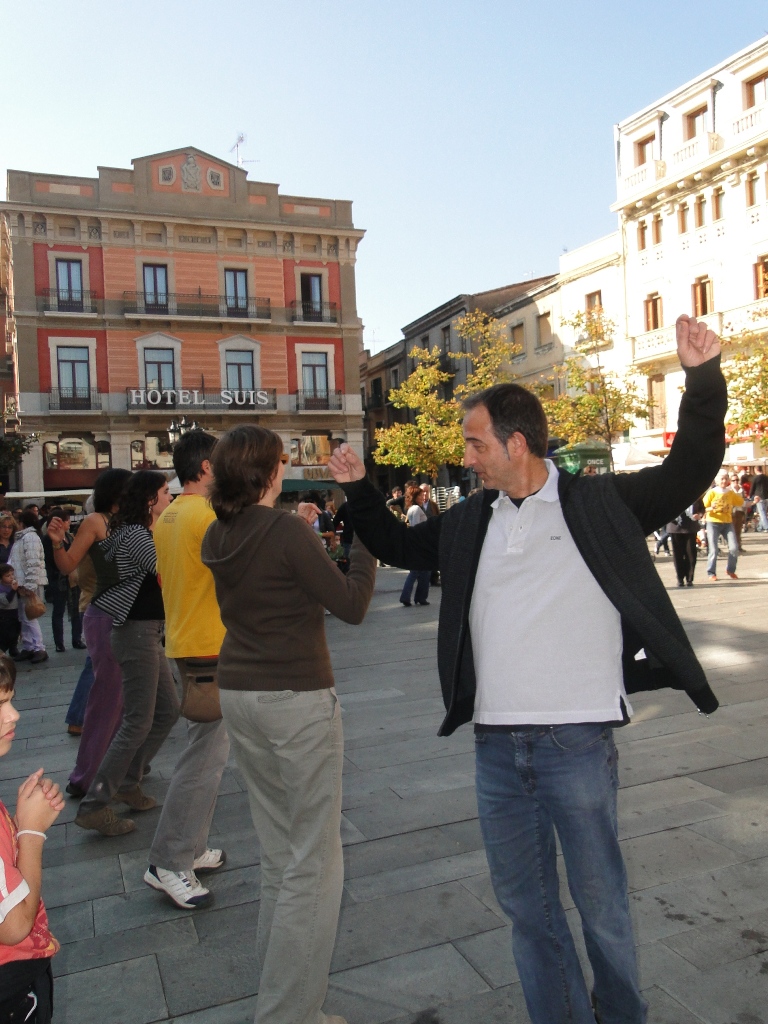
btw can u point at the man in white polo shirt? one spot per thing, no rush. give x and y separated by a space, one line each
551 613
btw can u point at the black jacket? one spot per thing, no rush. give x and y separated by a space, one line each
609 517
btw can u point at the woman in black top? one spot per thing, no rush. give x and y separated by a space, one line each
150 703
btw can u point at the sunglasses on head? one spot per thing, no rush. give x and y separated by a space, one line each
285 459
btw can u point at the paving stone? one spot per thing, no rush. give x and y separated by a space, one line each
383 928
668 909
666 856
490 954
73 883
504 1006
221 968
239 1012
71 923
657 819
721 943
126 945
389 815
417 876
647 760
663 1009
734 777
399 851
403 984
241 853
745 832
664 793
405 751
132 989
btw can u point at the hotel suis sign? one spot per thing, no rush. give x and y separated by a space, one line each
195 397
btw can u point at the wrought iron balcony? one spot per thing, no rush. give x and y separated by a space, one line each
310 401
314 312
71 300
196 400
60 399
195 304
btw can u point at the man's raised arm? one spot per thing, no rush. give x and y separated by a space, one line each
657 495
381 532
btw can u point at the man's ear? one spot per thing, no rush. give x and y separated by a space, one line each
516 445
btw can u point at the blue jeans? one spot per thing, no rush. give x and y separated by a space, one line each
715 530
763 515
531 782
76 712
421 578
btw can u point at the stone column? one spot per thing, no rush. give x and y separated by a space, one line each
32 471
120 440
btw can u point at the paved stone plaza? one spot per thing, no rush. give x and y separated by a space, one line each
421 938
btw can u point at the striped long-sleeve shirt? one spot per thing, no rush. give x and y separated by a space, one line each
133 550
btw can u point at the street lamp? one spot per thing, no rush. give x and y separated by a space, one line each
177 430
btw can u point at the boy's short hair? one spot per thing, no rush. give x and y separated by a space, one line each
5 568
7 673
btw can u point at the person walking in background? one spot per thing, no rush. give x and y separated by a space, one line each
738 512
8 530
60 591
418 578
28 559
150 703
193 638
428 505
9 610
758 495
682 532
719 501
97 702
273 580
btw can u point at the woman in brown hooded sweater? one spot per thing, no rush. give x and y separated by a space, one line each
274 580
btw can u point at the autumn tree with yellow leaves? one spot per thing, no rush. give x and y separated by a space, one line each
745 367
434 438
598 404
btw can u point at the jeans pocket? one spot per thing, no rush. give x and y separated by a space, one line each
273 696
575 738
481 738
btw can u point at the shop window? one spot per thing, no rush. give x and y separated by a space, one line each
77 454
153 452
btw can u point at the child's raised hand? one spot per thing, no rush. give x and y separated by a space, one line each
39 803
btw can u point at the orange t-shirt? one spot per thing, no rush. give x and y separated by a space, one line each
13 889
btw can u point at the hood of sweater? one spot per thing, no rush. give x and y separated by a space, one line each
229 546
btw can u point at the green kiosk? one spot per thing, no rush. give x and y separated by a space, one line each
594 457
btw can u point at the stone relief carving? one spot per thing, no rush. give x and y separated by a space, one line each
191 176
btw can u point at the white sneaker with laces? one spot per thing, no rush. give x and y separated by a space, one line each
211 860
181 886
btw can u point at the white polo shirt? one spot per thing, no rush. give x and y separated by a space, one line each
546 640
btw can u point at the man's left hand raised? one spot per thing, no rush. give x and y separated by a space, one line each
696 343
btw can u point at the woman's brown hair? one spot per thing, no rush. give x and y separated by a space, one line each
244 464
412 495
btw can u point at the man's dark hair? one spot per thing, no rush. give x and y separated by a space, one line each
57 512
190 453
108 489
514 410
30 518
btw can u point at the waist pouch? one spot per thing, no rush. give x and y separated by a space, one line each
199 689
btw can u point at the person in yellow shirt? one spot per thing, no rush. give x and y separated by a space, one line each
193 629
720 502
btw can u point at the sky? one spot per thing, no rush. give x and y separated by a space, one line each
474 138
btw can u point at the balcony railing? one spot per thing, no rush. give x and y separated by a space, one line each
314 312
195 304
198 399
60 399
310 401
71 300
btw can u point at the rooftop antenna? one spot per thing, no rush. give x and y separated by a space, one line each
241 139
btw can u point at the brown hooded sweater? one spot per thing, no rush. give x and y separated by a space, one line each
274 580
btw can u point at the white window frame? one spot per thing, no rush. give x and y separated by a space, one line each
56 343
159 340
330 351
239 343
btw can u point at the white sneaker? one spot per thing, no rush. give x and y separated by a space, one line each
182 887
211 860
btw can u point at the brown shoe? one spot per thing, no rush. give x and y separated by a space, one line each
75 730
135 798
105 821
